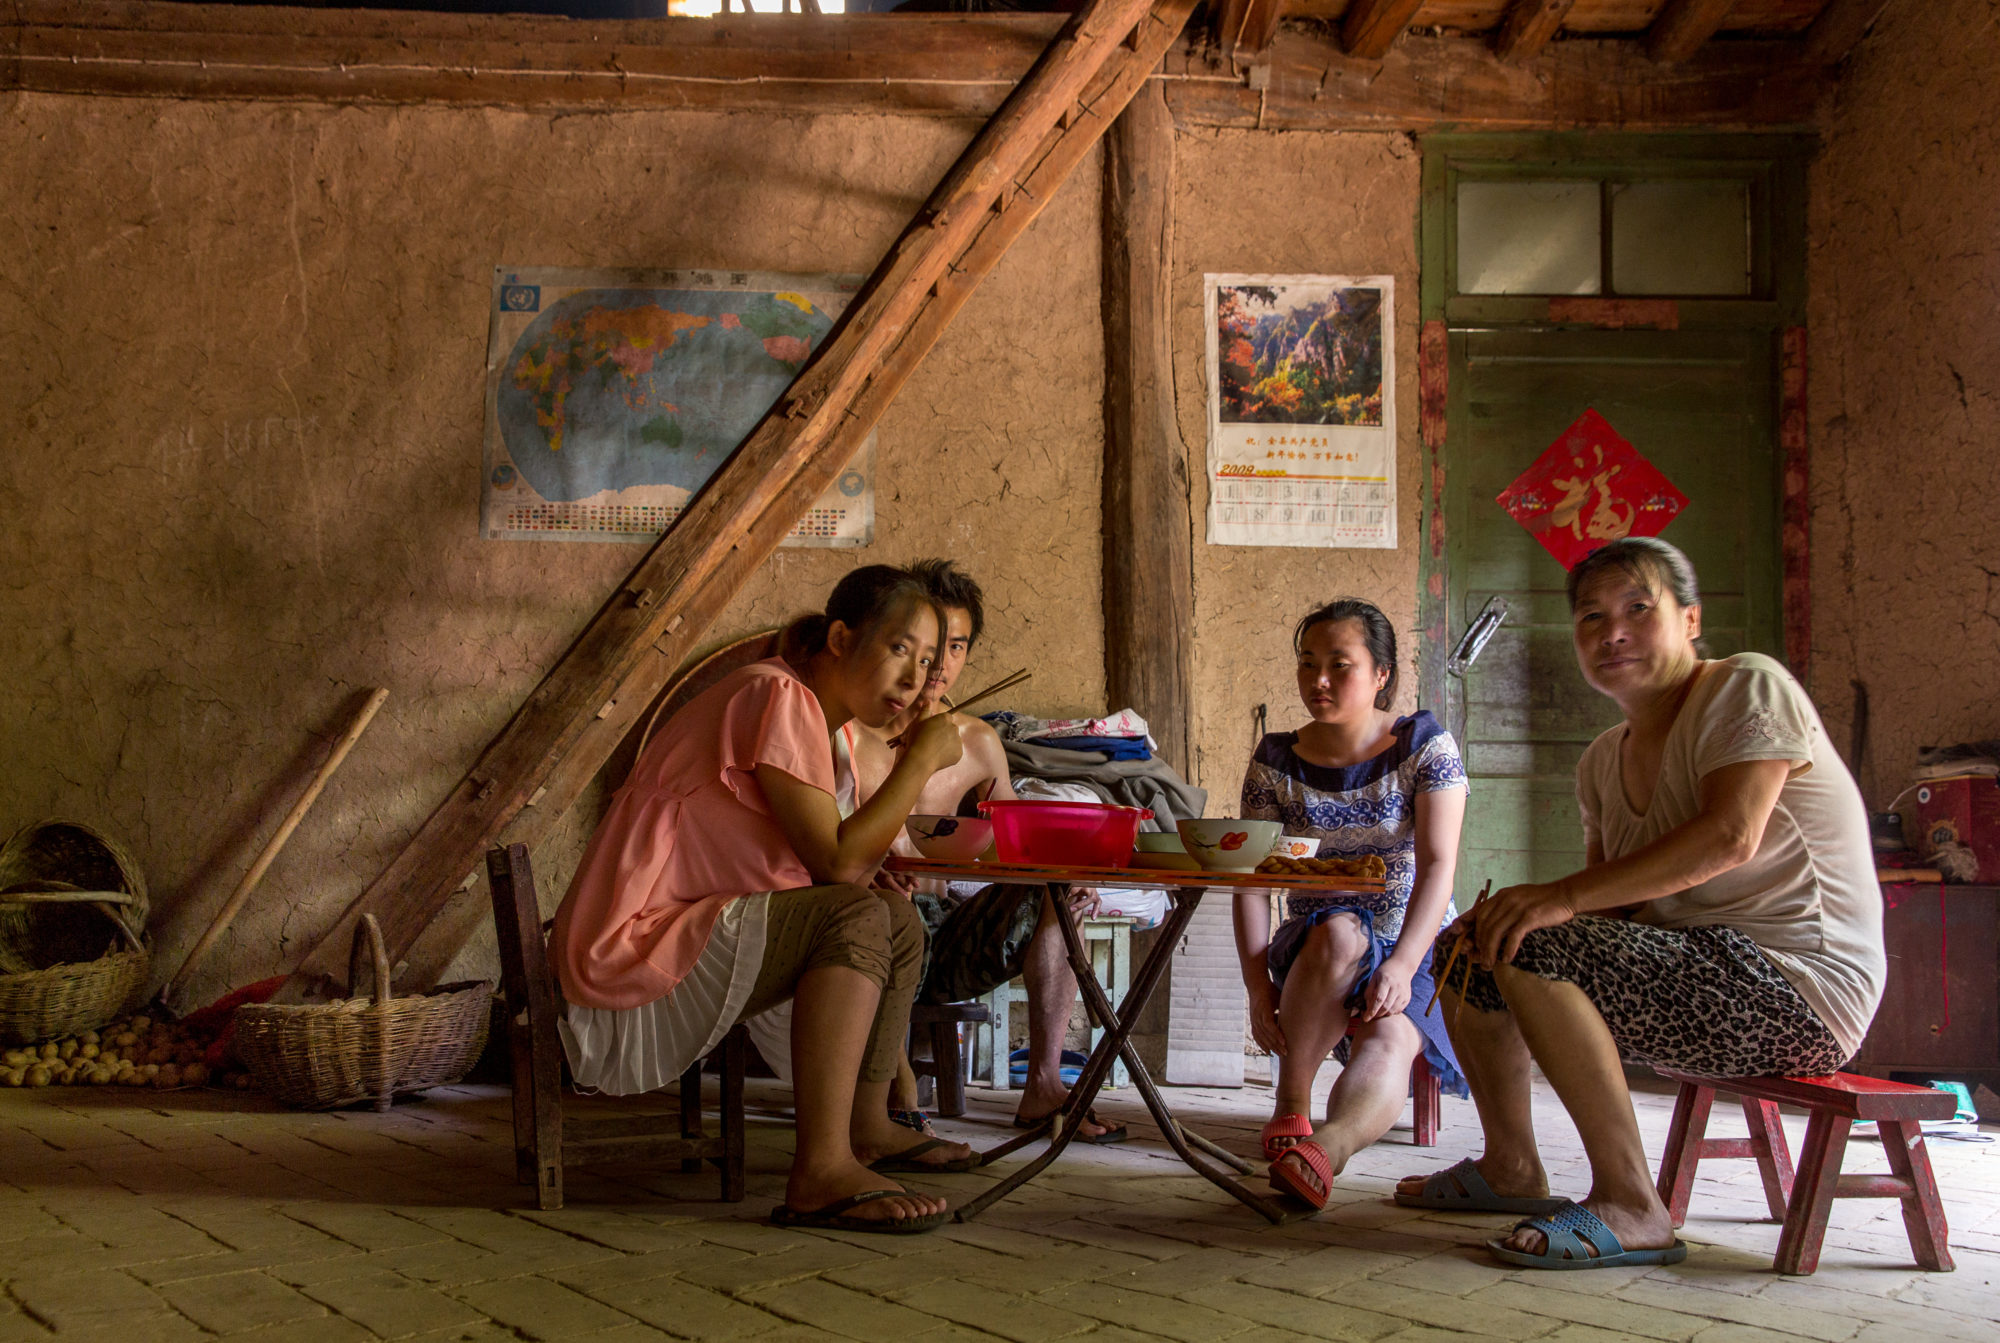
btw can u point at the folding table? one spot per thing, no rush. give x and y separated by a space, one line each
1185 888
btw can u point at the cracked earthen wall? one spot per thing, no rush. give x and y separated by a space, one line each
1251 202
1904 328
241 456
246 420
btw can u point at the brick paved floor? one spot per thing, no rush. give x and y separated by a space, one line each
132 1217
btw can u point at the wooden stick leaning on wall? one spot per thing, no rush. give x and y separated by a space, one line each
1005 178
234 904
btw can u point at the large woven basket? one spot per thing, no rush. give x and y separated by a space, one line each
69 857
72 929
324 1055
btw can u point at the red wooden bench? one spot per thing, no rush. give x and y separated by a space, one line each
1802 1201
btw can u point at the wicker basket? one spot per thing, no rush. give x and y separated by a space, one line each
72 931
324 1055
68 999
68 857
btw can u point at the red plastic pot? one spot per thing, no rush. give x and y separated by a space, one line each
1064 834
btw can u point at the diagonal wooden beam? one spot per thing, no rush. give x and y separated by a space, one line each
1529 25
1371 27
998 186
1840 27
1682 26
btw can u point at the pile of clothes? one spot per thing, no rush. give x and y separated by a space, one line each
1108 759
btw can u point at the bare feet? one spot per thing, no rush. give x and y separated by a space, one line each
1637 1228
1508 1181
809 1191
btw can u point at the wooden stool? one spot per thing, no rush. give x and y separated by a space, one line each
1803 1200
946 1065
1426 1099
545 1139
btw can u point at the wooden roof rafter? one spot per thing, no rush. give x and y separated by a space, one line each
1682 26
1244 29
1528 27
1371 27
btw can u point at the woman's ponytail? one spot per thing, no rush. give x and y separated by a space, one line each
859 601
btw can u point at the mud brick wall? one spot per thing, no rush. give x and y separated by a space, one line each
1905 388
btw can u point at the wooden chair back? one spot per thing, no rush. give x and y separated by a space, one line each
545 1139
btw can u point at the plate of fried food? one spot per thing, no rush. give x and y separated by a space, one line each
1369 867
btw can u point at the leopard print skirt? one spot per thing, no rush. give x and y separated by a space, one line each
1697 1000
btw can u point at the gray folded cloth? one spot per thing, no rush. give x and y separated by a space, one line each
1125 783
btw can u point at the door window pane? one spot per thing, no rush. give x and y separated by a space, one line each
1528 238
1680 238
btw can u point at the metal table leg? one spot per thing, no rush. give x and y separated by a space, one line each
1213 1163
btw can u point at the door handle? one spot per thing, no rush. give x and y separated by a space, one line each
1473 642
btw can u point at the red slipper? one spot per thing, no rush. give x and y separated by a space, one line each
1283 1126
1309 1178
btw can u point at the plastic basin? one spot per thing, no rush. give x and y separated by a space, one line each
1064 834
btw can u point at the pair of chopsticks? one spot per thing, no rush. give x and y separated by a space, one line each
1457 950
1006 682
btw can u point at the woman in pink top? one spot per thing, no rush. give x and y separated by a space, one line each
724 880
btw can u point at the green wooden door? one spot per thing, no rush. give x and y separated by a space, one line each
1699 406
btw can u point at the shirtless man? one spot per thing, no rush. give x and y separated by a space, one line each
982 940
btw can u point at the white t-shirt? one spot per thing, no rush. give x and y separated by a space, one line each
1808 897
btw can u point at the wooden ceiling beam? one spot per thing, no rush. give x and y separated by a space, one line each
1840 28
1682 26
1528 26
1011 171
1371 27
1431 83
911 65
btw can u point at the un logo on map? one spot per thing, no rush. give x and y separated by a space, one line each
520 298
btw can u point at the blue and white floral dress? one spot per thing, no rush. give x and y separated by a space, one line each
1367 808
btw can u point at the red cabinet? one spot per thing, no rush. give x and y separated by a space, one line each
1941 1010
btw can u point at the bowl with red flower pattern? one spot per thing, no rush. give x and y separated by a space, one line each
1229 844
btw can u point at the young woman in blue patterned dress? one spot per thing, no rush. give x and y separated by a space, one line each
1362 781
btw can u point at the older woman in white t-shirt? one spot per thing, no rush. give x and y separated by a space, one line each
1727 921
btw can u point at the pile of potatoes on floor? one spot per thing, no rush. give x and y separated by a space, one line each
135 1052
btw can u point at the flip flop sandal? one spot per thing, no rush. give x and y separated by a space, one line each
1572 1230
833 1217
1296 1177
1284 1126
1111 1134
1462 1188
905 1162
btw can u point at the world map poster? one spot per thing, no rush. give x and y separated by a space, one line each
613 395
1301 410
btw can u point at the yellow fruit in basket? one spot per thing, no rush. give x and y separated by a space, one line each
48 1051
169 1076
91 1038
195 1075
125 1039
14 1058
89 1051
131 1077
38 1076
66 1049
10 1077
141 1024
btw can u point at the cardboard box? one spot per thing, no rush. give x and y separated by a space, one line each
1961 811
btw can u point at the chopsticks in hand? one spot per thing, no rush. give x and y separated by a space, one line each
1457 950
1006 682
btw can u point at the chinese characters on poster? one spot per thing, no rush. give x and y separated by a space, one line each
1301 410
